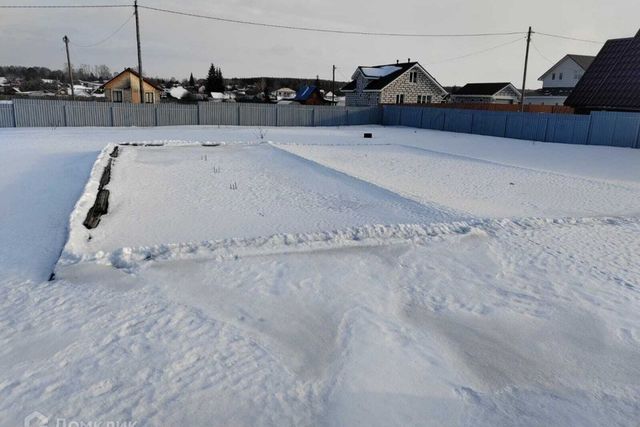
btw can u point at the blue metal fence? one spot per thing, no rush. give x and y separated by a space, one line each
58 113
599 128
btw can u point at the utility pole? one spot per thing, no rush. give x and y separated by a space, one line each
526 65
333 87
141 90
65 39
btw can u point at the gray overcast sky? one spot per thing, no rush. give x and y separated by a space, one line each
176 46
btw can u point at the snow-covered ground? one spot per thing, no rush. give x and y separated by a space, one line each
312 277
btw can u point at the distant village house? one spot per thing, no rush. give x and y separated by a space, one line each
558 82
399 83
125 87
486 93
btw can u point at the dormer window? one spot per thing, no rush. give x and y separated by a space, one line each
413 77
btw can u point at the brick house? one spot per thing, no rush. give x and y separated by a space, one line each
399 83
125 87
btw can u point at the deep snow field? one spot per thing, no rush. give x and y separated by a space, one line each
312 277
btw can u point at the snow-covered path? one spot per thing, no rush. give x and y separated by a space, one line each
382 285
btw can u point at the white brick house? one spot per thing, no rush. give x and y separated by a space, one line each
400 83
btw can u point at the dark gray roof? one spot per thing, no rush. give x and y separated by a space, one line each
613 79
382 82
584 61
481 89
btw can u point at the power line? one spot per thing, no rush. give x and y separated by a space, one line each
69 6
291 27
569 38
540 53
320 30
476 52
108 37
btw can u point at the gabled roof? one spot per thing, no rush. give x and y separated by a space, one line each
383 75
613 79
583 61
135 73
305 93
482 89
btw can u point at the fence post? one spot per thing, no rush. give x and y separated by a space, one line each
155 112
313 116
276 108
239 121
198 112
113 120
64 112
15 117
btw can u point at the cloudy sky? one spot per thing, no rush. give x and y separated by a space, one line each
176 46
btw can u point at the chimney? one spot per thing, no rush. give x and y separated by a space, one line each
397 61
408 59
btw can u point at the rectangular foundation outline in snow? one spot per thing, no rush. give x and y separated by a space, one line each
348 200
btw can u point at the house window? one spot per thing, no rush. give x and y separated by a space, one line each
413 77
429 99
560 76
149 97
424 99
400 99
116 95
553 76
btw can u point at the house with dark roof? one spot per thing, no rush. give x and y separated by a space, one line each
307 95
612 82
558 81
399 83
567 72
486 93
125 87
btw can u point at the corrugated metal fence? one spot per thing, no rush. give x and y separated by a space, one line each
57 113
600 128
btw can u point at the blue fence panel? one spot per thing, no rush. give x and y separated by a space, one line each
133 115
87 114
257 115
221 114
433 118
534 126
489 123
411 116
176 114
458 121
363 115
329 116
615 129
294 115
7 118
567 128
391 115
39 113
